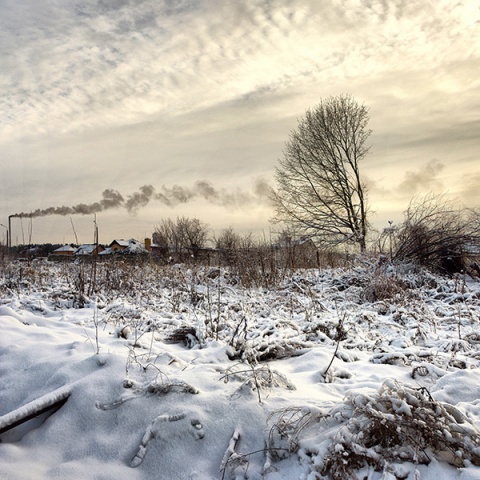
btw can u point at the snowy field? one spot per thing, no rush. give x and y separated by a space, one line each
180 373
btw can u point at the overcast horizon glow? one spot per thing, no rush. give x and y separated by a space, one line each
116 95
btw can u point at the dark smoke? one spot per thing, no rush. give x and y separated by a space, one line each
170 196
110 199
175 195
202 189
140 199
206 190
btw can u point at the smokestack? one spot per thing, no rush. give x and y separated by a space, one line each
9 237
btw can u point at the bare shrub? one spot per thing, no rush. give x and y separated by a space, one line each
262 262
252 261
436 234
383 286
294 250
257 267
331 258
227 244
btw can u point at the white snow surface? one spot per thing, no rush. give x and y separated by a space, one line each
142 407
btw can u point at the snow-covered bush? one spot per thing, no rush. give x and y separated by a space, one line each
400 424
382 285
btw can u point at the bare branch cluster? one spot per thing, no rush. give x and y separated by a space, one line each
181 233
437 234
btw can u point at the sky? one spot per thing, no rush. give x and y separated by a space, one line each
171 108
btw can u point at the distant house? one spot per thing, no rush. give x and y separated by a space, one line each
118 246
64 251
131 246
88 249
155 249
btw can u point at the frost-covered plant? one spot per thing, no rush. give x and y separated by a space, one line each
256 377
402 424
96 324
287 426
340 334
383 285
149 389
232 460
238 340
214 307
142 361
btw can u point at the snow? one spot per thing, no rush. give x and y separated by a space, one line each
251 375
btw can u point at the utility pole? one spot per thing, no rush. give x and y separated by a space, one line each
6 228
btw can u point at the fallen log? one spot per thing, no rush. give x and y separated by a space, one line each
49 402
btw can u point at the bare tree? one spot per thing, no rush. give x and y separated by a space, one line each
320 192
228 239
192 232
183 233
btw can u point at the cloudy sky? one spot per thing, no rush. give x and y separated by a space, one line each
182 107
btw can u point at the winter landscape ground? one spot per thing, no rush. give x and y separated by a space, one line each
363 372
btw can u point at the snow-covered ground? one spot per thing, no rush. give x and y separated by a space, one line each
180 373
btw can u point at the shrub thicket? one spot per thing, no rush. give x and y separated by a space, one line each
435 234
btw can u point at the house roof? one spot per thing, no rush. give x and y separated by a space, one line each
134 246
86 249
128 246
64 248
122 243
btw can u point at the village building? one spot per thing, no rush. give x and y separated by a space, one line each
64 251
88 249
131 246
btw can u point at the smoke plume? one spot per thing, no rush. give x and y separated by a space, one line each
110 199
169 196
424 178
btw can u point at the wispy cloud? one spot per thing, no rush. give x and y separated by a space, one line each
81 65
